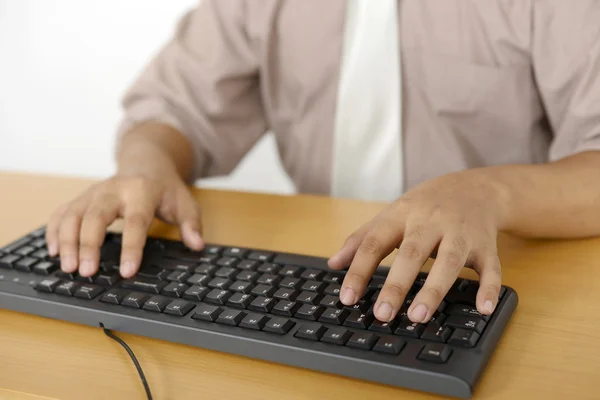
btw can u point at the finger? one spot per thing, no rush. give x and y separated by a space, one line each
189 220
138 215
451 258
344 256
374 247
68 238
490 282
93 230
417 245
52 230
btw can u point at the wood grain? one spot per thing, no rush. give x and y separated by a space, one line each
551 349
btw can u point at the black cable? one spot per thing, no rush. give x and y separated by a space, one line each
133 358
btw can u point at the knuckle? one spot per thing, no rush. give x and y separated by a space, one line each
460 245
370 245
435 291
453 260
410 251
97 214
356 276
394 289
492 287
137 220
416 232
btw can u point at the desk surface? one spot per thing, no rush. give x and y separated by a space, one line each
551 349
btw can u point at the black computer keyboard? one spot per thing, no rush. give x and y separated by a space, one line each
279 307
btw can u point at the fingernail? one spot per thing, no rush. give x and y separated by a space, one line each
348 296
198 238
128 268
52 249
86 267
488 306
384 312
419 313
68 264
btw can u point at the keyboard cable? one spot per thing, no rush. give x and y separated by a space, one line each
133 358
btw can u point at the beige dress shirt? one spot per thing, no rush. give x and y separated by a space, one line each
483 83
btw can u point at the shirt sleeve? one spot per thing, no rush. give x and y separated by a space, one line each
204 83
566 59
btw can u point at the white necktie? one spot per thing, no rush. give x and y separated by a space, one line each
367 150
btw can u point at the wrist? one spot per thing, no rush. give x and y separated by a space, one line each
500 194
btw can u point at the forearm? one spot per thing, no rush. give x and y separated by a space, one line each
153 148
553 200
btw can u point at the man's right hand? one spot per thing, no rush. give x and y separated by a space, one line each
77 229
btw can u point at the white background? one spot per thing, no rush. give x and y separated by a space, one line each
64 65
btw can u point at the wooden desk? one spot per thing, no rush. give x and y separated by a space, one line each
551 349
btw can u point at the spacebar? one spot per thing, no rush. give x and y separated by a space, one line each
301 261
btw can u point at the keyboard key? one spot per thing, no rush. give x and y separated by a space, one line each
220 283
249 276
333 277
146 271
175 289
373 298
437 353
465 311
247 265
436 333
290 271
268 279
268 268
286 294
461 322
107 279
290 283
463 338
44 268
88 291
437 317
40 253
231 317
205 312
310 331
384 327
180 276
376 282
142 284
263 304
8 261
254 321
261 256
313 286
198 279
362 340
25 250
217 296
308 298
408 328
226 272
227 262
114 296
287 308
179 308
467 298
389 344
358 320
336 336
208 258
195 293
240 300
235 252
241 287
279 325
15 245
263 290
135 300
312 275
361 306
84 279
67 288
63 275
331 301
212 250
205 269
309 311
335 316
333 289
156 303
25 264
38 243
48 285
